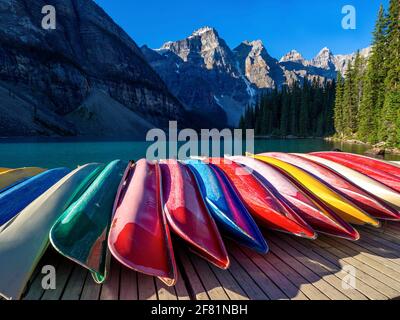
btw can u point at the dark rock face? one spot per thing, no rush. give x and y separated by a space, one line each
51 73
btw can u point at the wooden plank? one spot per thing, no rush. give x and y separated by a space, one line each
110 288
182 292
381 240
266 264
348 249
75 284
91 290
230 285
195 284
368 275
63 273
259 277
320 266
164 292
251 288
208 279
147 289
367 251
34 290
128 285
361 289
312 279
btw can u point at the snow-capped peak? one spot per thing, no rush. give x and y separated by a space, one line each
202 31
292 55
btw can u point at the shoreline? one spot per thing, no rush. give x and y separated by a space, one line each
376 149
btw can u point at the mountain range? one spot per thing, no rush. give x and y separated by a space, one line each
89 78
217 82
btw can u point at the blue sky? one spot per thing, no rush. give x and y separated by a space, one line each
305 25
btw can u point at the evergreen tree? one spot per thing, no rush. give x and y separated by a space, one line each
388 130
338 113
373 91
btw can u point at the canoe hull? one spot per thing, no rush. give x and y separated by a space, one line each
342 207
18 197
316 214
139 223
226 207
366 201
25 239
12 176
80 233
390 180
187 214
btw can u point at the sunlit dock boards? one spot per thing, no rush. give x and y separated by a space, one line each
293 269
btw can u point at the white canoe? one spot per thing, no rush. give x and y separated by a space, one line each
24 239
372 186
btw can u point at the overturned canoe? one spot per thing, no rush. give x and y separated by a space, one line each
13 200
139 237
341 206
320 217
80 233
24 239
226 207
11 177
361 180
379 164
388 179
187 214
4 170
366 201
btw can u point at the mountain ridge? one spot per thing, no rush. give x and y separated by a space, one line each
204 58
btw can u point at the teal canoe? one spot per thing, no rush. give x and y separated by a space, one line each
25 238
80 233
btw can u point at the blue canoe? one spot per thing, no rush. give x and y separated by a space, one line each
226 207
16 198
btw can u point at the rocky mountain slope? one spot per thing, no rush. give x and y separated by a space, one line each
59 82
210 78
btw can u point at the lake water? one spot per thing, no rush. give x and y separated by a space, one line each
70 152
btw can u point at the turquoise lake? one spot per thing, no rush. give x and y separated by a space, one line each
70 152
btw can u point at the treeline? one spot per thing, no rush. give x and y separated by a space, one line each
367 105
301 111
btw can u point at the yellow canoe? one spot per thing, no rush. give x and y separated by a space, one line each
4 170
340 205
9 177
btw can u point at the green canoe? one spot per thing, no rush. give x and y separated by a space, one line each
80 233
24 239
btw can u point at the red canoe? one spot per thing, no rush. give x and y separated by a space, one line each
317 214
364 167
139 236
375 163
366 201
265 207
187 214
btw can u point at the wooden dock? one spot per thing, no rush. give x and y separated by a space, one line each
293 269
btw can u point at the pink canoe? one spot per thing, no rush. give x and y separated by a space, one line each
364 167
266 207
139 236
366 201
314 212
187 214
